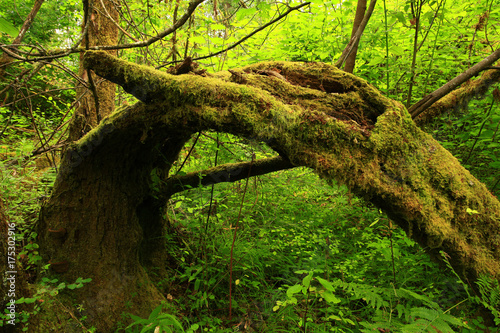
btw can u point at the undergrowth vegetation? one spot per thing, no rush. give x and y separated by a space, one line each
300 255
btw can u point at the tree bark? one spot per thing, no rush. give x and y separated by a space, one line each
313 114
353 43
360 13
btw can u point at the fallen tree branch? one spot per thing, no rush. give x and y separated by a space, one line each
223 173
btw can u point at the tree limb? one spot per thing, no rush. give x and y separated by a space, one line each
179 23
62 53
358 18
487 79
229 172
291 9
26 25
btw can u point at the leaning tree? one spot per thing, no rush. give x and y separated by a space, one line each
105 217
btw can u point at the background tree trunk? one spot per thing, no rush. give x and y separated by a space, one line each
360 13
97 100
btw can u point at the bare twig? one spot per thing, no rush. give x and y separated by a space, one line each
108 16
191 8
75 49
26 25
232 46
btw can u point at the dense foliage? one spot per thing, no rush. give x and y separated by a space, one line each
288 274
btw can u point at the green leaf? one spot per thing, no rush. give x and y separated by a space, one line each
306 282
198 39
8 28
397 50
293 290
330 297
26 300
155 312
471 211
245 12
328 286
218 26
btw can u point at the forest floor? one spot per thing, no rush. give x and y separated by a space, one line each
301 255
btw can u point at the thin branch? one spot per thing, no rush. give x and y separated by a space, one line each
224 173
416 109
26 25
291 9
191 8
75 49
108 16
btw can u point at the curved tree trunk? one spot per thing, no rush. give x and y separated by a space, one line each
102 222
105 212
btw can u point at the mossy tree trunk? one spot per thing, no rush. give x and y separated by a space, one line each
104 218
109 227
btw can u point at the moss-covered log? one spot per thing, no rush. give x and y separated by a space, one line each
312 114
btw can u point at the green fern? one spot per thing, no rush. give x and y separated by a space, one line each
428 317
430 320
370 294
489 289
410 295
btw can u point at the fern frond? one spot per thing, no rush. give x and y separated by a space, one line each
430 320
